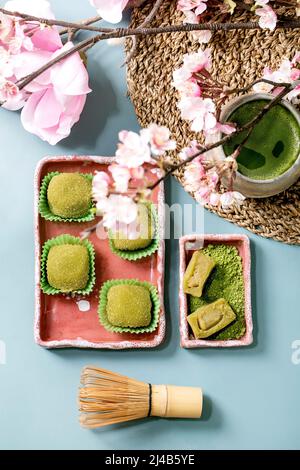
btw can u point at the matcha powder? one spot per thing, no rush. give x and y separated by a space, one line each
226 280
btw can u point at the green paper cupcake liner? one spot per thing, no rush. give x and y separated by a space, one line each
143 252
44 208
118 329
69 240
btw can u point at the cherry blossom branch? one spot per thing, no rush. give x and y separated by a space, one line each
287 87
86 22
124 32
52 22
145 23
259 80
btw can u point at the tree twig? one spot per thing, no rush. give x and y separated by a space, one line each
86 22
145 23
287 87
124 32
52 22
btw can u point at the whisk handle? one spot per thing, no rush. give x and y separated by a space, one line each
170 401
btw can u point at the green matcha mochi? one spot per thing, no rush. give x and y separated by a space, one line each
68 267
129 306
69 195
144 232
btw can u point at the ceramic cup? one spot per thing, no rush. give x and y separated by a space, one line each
248 186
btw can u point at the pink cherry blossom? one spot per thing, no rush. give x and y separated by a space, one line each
197 61
7 89
261 3
268 17
110 10
231 198
137 173
193 175
200 112
158 138
101 182
214 199
223 128
121 176
288 72
296 59
199 6
118 211
6 28
133 150
189 151
203 37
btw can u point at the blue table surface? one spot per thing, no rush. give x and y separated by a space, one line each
251 394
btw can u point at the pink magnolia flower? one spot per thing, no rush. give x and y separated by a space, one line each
200 112
268 17
158 138
199 6
40 8
100 187
133 150
51 112
121 176
51 116
110 10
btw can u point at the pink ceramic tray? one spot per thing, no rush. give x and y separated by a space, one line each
58 321
187 245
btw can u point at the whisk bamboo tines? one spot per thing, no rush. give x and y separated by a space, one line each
106 397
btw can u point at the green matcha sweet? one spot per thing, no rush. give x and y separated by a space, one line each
197 272
226 281
144 232
211 318
69 195
68 267
274 144
129 306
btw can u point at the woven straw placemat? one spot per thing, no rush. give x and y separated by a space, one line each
238 58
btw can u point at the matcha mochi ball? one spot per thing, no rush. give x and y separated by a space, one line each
68 267
129 306
69 195
144 232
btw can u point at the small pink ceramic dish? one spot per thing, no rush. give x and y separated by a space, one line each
71 321
187 245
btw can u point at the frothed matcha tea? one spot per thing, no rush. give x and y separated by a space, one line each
274 144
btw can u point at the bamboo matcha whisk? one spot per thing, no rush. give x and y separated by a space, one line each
107 398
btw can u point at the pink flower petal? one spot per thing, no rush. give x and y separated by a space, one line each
39 8
70 76
47 39
110 11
